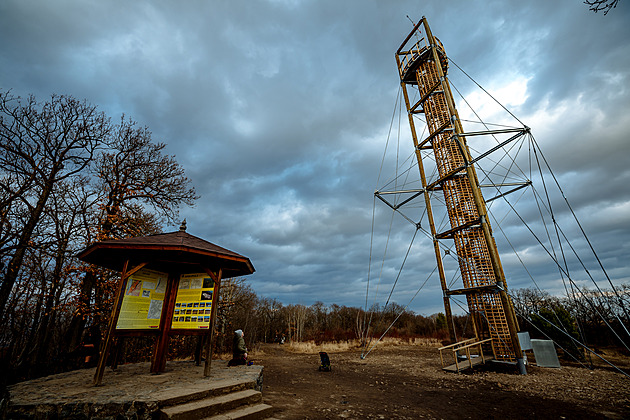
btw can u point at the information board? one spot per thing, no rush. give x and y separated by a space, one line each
142 300
193 303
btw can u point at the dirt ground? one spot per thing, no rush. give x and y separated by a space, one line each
407 382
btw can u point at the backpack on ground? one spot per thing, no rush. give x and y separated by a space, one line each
325 362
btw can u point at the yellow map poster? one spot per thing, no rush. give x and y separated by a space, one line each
193 303
142 301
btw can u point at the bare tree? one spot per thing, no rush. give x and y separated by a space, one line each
268 316
296 321
136 170
139 187
41 144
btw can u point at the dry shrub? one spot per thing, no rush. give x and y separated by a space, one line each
255 352
310 347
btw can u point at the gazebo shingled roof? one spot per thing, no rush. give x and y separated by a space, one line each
174 252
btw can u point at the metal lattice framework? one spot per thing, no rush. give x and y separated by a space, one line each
423 68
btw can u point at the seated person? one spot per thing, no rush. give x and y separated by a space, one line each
239 351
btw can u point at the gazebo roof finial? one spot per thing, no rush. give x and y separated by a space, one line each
182 227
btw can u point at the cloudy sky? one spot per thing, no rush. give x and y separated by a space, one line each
280 111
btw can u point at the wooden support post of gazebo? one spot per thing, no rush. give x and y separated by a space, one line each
177 276
158 361
213 317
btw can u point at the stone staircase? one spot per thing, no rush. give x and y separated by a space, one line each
132 392
230 402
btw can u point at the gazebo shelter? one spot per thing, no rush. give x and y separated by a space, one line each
169 285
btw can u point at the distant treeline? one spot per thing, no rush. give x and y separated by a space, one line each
594 318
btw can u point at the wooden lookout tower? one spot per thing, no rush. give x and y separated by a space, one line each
423 66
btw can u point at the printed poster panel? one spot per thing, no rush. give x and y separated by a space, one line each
193 303
142 300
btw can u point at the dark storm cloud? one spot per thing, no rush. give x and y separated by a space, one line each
280 110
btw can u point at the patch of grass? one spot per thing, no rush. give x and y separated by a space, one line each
310 347
256 351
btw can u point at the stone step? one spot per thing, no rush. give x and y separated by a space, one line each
211 406
171 396
250 412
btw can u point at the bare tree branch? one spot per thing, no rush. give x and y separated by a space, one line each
603 5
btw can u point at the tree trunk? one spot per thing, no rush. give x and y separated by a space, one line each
13 269
79 318
46 325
